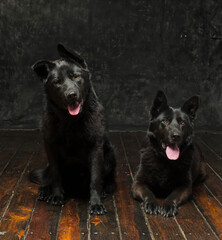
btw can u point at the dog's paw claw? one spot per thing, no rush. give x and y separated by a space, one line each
97 209
46 195
56 200
169 210
151 207
43 195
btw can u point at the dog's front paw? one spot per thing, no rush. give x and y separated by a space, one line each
151 207
97 209
169 210
56 199
45 194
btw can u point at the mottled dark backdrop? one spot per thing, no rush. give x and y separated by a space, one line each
133 48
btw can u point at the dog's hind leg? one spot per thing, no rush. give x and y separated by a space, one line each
202 173
41 177
49 179
109 168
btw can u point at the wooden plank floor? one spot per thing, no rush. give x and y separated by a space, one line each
23 217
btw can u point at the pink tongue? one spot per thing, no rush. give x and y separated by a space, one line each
173 153
74 108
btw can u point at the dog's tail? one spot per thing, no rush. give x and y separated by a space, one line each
40 176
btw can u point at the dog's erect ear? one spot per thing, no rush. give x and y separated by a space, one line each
159 104
71 54
42 68
190 106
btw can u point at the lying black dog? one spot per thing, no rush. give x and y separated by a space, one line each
170 163
74 132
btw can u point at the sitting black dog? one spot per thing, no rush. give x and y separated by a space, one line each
74 131
170 163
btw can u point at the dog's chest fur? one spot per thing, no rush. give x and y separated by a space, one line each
75 142
72 137
160 174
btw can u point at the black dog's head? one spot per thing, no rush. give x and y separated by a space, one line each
172 128
66 80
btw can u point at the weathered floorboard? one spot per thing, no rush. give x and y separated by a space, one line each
131 220
45 218
105 226
72 223
23 217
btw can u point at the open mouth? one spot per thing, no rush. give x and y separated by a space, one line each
74 108
172 151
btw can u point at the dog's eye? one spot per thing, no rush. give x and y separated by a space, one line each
165 122
182 123
74 76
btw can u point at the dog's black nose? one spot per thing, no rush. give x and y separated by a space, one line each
71 96
176 137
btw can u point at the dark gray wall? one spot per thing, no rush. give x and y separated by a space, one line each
133 48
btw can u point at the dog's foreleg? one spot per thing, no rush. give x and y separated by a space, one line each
55 191
144 194
96 184
179 196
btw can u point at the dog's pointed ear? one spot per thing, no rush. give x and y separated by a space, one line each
159 103
65 52
43 67
190 106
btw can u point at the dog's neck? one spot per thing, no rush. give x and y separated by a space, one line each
151 140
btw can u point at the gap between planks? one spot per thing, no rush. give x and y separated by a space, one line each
16 186
205 220
131 174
